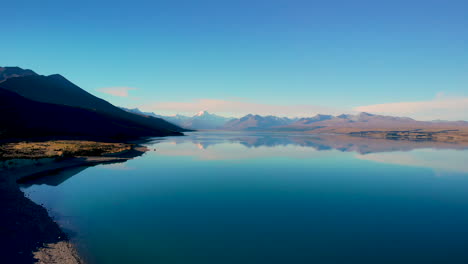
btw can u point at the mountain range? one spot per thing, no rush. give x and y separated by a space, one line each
202 120
345 123
257 122
34 105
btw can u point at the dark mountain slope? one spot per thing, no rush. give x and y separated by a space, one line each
56 89
11 72
24 118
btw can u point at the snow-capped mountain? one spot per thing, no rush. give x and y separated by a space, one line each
318 123
202 120
205 120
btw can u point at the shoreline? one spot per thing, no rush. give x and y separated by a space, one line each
27 232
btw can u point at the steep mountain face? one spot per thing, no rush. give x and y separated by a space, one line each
257 122
11 72
24 118
56 89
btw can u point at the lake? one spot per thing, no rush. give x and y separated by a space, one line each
252 197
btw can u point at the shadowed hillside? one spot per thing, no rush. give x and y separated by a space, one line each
24 118
12 72
58 90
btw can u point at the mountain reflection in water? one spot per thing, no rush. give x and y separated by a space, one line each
207 145
235 197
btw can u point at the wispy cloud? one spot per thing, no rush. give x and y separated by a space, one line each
239 107
116 91
441 107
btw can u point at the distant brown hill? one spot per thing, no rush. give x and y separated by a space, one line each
56 89
370 122
344 123
24 118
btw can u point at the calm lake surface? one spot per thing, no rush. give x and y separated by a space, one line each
228 197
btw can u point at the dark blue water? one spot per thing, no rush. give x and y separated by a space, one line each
268 198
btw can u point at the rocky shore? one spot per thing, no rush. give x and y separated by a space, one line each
27 233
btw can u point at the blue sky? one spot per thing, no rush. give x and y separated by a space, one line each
232 57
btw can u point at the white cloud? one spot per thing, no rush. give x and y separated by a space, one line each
441 107
239 107
116 91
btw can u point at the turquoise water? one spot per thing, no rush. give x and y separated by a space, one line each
268 198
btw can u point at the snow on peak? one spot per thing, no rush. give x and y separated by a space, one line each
201 113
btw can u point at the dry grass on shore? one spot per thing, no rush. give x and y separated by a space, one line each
436 135
60 148
458 135
62 252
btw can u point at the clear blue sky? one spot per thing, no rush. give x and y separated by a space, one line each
281 52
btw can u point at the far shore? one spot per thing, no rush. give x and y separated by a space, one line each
27 233
455 136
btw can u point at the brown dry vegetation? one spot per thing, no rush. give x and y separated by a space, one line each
445 134
60 148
